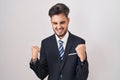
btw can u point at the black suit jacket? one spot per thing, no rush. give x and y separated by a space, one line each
71 68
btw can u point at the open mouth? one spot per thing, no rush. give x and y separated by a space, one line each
60 30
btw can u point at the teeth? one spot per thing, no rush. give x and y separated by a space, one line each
60 30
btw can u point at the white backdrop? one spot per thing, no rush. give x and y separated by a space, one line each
24 23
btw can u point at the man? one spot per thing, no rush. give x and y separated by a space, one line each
62 55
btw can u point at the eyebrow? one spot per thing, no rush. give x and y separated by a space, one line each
62 22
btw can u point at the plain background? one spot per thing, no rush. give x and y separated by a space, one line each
24 23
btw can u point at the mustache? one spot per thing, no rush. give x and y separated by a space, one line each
59 28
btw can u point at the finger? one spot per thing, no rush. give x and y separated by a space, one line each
35 47
82 46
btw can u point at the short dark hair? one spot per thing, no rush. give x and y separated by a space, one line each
58 9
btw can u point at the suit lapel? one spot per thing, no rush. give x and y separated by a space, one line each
55 47
67 50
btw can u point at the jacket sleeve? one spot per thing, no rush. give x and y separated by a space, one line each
82 70
40 66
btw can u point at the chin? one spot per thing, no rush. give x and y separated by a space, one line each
60 35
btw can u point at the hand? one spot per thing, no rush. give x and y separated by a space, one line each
35 52
80 49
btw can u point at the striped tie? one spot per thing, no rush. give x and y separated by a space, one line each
61 49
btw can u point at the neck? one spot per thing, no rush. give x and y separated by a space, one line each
62 36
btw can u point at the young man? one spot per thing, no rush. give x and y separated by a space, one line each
62 55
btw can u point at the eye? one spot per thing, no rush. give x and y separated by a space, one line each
54 23
63 22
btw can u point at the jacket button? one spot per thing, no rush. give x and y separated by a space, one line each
61 76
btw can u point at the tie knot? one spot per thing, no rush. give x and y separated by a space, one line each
60 41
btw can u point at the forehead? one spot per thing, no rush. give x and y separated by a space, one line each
59 17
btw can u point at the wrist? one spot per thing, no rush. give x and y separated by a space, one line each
83 62
34 59
82 59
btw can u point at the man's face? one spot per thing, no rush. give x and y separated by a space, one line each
60 24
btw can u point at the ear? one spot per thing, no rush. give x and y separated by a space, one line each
68 19
51 20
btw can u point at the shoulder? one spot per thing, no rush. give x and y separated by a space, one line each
48 39
77 38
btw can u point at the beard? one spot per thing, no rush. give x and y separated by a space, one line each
61 35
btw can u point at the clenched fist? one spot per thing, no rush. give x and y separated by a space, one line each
35 52
81 49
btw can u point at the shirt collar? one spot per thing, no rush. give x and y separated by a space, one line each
64 39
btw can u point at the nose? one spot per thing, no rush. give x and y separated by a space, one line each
59 26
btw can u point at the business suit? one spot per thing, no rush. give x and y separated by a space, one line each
71 68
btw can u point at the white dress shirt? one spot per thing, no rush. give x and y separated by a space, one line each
64 39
